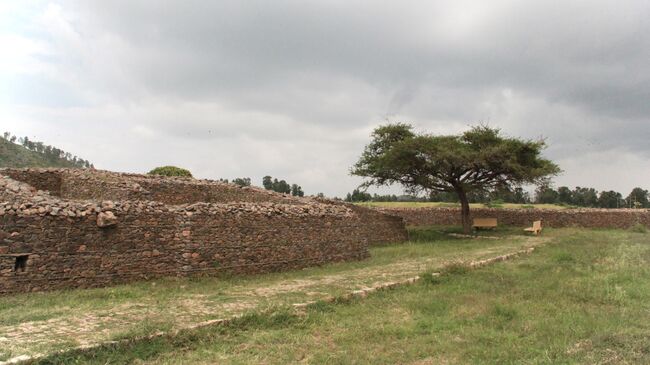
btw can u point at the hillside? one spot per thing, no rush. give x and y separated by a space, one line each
14 155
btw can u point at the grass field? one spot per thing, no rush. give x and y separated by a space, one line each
454 205
44 322
583 298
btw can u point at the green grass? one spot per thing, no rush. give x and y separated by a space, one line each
457 205
583 299
424 243
41 322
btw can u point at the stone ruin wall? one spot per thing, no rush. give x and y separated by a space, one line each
46 180
66 248
105 185
379 227
587 218
69 251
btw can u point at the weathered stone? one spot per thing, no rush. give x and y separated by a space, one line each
106 219
108 205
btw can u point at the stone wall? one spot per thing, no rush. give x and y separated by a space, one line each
85 242
378 227
49 180
65 251
106 185
588 218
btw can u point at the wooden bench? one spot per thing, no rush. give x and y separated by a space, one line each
484 223
536 228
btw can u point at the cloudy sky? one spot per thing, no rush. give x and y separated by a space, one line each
294 88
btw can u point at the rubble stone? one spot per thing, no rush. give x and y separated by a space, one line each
106 219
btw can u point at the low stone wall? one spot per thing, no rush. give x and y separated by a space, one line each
588 218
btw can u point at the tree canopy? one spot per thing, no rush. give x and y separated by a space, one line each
282 186
591 198
638 198
241 181
170 171
42 154
479 159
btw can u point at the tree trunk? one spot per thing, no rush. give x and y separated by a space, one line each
464 210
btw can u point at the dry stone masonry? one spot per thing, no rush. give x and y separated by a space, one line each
62 228
587 218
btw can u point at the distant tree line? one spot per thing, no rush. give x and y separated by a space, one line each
241 181
358 195
281 186
517 195
269 183
544 194
590 197
50 152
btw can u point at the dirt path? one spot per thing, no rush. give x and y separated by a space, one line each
86 327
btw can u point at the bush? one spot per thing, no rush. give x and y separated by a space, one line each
170 171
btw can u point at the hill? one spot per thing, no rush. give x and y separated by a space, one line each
14 155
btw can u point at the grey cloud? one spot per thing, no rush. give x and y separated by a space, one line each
291 75
589 53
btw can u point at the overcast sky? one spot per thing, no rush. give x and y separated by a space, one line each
293 88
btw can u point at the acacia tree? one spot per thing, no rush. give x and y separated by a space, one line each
481 158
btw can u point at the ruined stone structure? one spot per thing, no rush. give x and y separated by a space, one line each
587 218
62 228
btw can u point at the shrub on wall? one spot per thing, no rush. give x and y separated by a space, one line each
170 171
